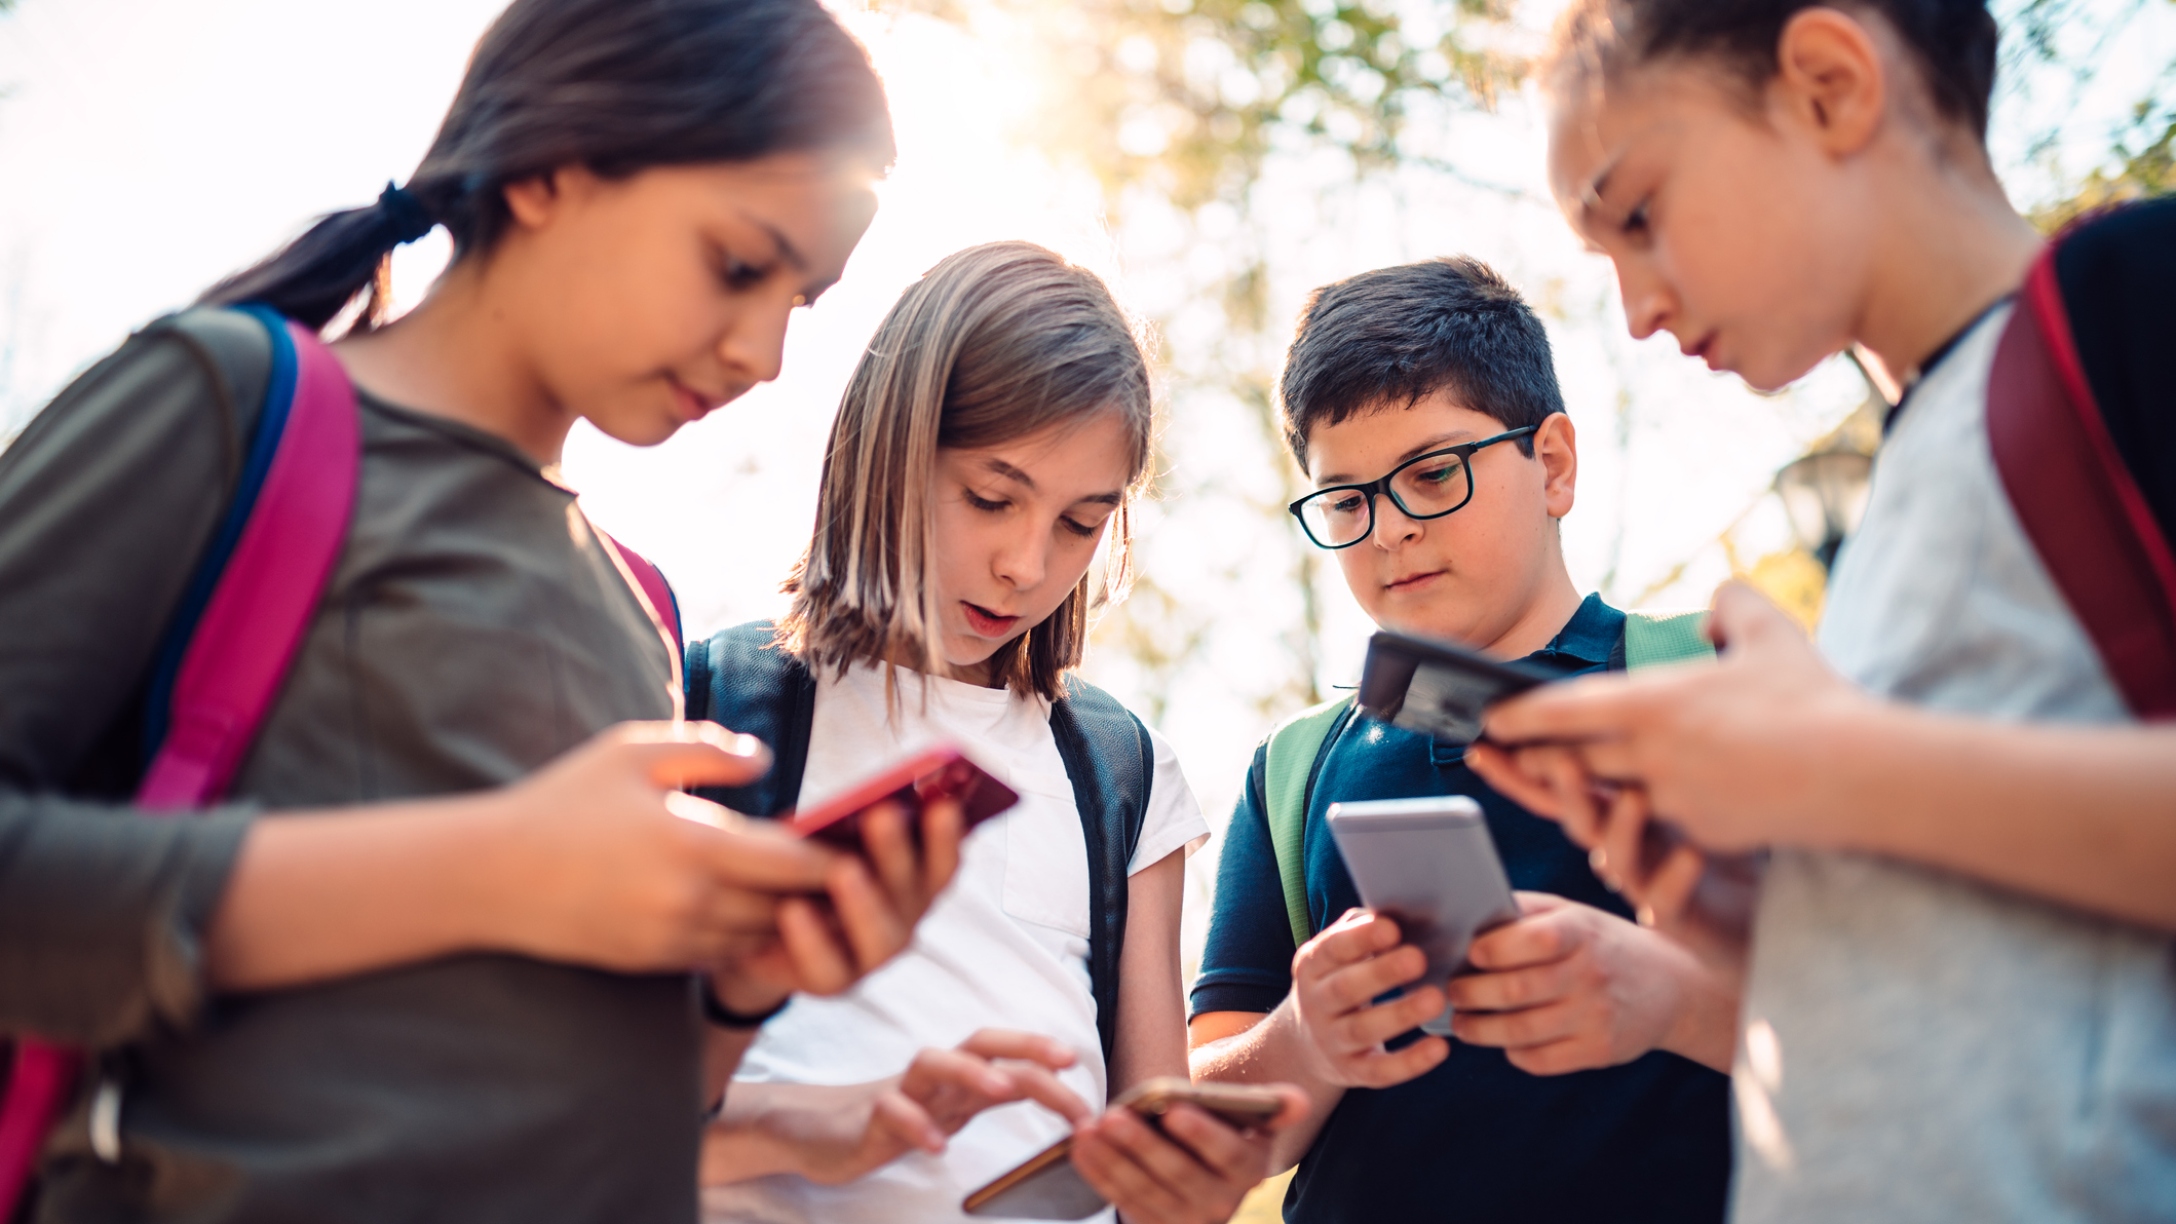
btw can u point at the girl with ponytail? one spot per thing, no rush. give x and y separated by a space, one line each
430 957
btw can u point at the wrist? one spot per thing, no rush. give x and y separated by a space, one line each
486 873
1704 1027
729 1003
1288 1028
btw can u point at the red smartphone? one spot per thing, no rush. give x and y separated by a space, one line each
943 772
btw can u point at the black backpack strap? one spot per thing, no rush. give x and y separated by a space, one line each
1111 762
2077 422
739 679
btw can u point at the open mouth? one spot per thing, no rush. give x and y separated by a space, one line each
986 623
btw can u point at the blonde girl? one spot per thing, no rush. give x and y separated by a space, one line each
987 446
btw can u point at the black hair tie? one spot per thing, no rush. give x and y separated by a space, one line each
405 214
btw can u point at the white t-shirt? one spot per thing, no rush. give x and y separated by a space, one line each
1005 947
1920 1046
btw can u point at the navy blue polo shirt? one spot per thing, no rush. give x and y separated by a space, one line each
1476 1139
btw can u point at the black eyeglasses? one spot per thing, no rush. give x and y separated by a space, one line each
1424 487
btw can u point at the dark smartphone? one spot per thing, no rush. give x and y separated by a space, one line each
1046 1186
943 772
1438 688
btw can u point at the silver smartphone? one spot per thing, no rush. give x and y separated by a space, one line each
1431 865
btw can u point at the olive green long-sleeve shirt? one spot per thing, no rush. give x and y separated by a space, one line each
473 629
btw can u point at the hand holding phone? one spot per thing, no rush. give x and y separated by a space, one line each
1048 1186
1430 865
942 772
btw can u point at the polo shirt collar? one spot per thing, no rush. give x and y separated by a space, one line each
1588 637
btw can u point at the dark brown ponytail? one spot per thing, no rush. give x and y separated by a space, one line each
617 86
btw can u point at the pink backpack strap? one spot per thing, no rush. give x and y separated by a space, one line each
230 672
654 593
2076 499
263 603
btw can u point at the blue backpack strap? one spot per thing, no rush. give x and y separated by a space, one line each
1111 762
739 679
279 398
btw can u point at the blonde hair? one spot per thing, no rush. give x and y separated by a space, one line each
995 343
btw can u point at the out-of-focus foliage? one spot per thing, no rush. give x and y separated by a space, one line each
1187 96
2144 160
2141 158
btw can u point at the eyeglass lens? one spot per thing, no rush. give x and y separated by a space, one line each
1432 486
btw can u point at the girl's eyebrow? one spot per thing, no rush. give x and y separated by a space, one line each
1008 471
1001 468
786 250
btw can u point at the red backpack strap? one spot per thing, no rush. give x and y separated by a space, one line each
2078 501
655 594
235 660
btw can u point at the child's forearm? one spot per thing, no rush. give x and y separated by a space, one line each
770 1128
1271 1050
2082 816
324 895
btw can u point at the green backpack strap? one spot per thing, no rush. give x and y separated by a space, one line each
1289 764
1665 637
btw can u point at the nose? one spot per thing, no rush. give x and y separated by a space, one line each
1023 558
754 343
1392 526
1648 305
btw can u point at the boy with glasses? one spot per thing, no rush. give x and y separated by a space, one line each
1422 402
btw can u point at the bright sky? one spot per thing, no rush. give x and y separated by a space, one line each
148 148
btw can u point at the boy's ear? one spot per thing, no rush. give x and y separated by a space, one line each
1831 76
1556 446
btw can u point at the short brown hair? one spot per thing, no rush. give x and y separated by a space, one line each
994 343
1394 336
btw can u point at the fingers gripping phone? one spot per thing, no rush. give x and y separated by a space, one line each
1438 688
943 772
1429 865
1046 1186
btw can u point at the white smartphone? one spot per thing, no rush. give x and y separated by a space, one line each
1430 865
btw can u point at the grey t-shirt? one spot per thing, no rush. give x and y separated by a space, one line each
473 629
1918 1046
